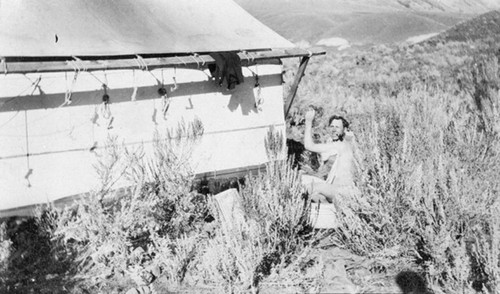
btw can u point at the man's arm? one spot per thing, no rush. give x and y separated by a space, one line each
308 141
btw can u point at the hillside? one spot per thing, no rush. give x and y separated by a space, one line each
365 22
483 26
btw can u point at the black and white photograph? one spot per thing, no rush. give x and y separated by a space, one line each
250 146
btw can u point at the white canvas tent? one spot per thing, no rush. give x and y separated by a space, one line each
59 58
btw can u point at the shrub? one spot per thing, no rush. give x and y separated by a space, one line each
428 151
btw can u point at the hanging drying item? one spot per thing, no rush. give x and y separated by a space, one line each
69 91
78 65
165 101
105 109
259 100
227 68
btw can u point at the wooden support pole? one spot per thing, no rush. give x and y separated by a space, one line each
298 77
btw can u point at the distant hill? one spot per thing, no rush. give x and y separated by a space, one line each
362 22
452 6
486 25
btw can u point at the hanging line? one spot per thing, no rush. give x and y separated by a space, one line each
157 80
181 60
134 93
155 111
105 111
78 65
165 101
95 77
29 169
35 84
175 87
69 91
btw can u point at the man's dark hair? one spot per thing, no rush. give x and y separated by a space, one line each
345 123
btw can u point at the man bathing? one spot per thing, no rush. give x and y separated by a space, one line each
338 153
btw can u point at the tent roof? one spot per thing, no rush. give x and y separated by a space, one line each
47 28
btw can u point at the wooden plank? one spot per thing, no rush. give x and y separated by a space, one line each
189 61
298 77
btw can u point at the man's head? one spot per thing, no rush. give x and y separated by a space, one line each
338 126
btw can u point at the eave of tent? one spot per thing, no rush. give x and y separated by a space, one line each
138 62
55 28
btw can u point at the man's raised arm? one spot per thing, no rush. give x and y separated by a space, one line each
308 141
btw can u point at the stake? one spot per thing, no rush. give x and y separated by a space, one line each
298 77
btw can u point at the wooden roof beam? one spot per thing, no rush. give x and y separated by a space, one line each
190 61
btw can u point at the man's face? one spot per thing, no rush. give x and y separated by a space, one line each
337 129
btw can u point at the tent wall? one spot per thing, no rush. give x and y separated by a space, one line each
64 141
